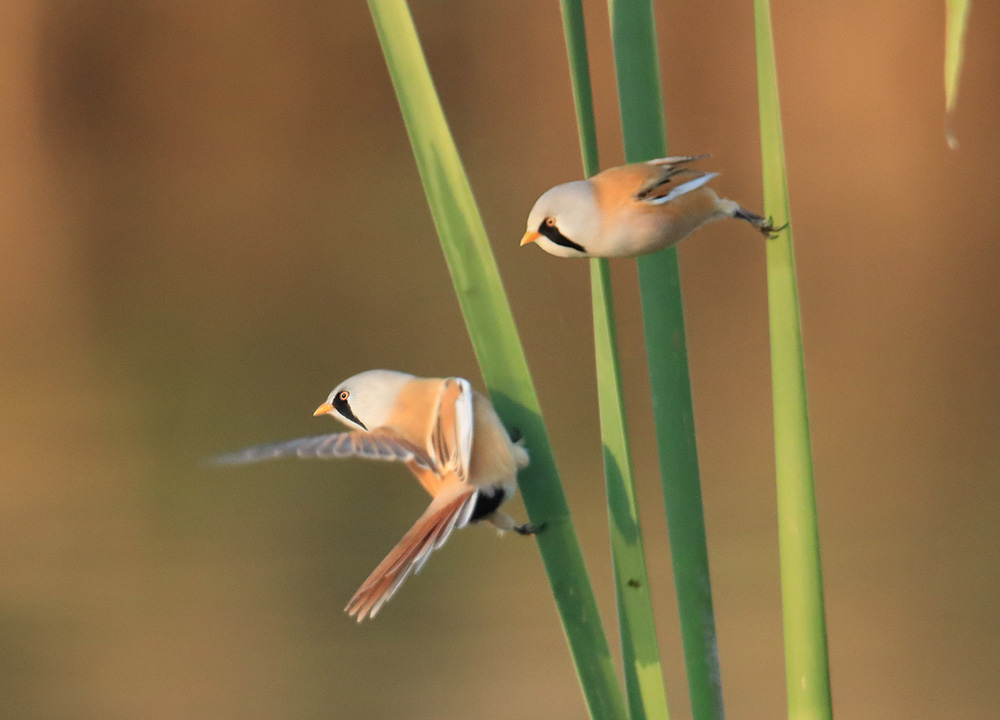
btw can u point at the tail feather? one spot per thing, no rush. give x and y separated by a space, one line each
449 511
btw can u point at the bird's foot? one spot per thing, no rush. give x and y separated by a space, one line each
528 529
768 229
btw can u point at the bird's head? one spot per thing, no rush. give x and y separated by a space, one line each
365 401
565 220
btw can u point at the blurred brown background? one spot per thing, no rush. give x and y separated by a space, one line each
210 216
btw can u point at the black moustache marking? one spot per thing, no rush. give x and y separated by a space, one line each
487 501
553 234
344 409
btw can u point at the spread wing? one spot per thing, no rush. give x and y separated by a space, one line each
450 440
673 180
380 444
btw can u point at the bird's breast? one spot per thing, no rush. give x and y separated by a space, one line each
637 230
492 462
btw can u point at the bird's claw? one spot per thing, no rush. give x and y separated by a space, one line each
528 529
768 229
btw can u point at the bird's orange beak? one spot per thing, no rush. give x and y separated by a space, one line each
529 237
323 409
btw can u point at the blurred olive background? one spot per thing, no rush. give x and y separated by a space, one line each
210 216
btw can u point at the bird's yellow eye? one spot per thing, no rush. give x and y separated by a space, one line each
344 395
550 221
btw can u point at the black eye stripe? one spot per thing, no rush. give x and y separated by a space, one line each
341 406
553 234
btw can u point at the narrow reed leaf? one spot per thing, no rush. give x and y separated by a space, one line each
646 694
498 349
807 672
956 21
633 32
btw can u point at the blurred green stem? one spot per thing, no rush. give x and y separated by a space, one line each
640 652
498 349
633 32
956 22
806 663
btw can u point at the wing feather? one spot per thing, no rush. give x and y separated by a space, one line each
464 421
380 444
452 432
683 188
677 160
654 190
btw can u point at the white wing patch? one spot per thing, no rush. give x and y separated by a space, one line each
464 421
676 160
682 189
449 444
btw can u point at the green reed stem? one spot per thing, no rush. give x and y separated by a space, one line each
956 22
807 672
633 32
498 349
640 652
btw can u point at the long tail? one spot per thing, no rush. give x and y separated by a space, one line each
448 511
